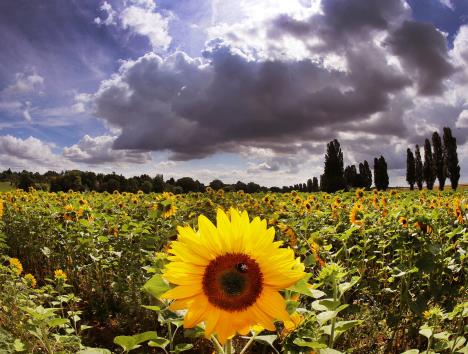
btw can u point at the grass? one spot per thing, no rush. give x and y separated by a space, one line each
5 187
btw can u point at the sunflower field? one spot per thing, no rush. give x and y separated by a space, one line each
216 272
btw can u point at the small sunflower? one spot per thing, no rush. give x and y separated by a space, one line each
60 275
229 275
16 265
359 193
31 280
403 221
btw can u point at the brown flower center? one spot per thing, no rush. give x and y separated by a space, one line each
233 282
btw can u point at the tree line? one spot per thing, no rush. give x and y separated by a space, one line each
440 162
336 177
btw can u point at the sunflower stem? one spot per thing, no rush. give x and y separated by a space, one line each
248 344
228 347
218 346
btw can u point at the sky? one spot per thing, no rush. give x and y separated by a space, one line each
248 90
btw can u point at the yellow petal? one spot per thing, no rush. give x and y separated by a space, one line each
196 312
182 291
211 320
273 304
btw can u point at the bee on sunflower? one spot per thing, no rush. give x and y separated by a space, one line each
229 276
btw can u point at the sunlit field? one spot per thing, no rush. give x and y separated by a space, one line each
385 272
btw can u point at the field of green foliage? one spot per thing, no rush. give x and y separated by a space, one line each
386 272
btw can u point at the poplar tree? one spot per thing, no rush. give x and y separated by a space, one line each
410 169
309 185
451 157
333 175
367 175
438 157
418 168
381 179
384 173
428 167
315 184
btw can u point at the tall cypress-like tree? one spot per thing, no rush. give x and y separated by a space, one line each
438 157
383 173
451 157
418 168
428 167
333 175
309 185
367 175
377 174
410 168
351 176
315 184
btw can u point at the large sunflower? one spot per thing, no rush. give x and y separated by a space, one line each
228 276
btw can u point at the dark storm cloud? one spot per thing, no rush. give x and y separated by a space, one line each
195 110
342 22
423 50
226 101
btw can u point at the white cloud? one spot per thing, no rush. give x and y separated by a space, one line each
99 150
447 3
142 18
462 121
25 84
26 111
111 15
30 153
150 24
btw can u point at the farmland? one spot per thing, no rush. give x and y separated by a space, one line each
386 272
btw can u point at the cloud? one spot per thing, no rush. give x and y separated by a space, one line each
423 50
30 153
141 17
111 15
25 84
196 107
26 111
447 3
98 150
462 121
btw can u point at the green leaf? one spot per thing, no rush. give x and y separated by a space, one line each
343 326
303 287
159 342
442 336
411 351
57 322
330 304
94 351
152 308
156 286
325 316
325 304
266 339
344 287
314 345
18 345
182 347
103 239
426 332
457 343
329 351
132 342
